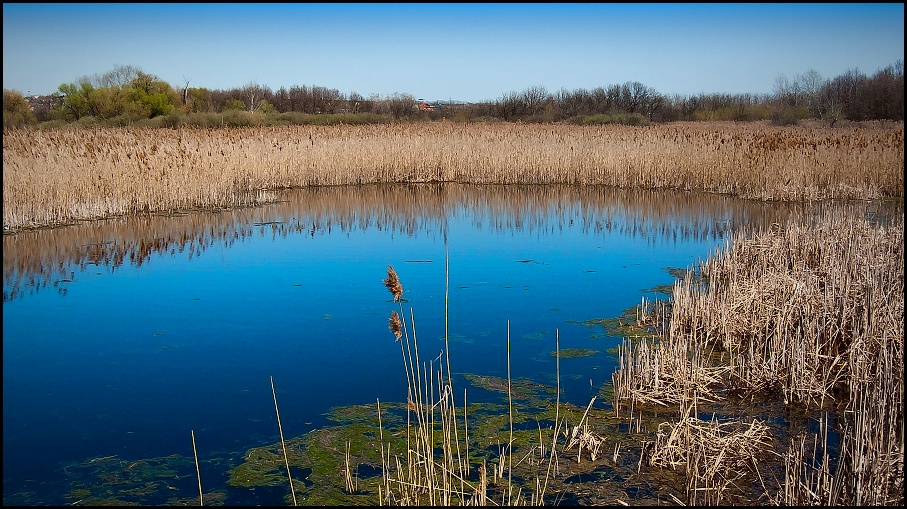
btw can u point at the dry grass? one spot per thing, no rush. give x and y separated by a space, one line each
799 308
715 455
61 176
811 312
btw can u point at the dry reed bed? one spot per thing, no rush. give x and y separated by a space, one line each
59 176
800 309
714 455
812 313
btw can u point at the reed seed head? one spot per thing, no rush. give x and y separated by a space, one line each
392 282
395 325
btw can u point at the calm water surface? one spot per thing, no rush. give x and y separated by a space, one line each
121 336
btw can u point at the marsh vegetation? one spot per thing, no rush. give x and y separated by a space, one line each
771 374
62 176
802 322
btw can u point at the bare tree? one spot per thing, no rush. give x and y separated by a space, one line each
784 91
401 105
811 84
572 104
119 76
255 93
355 103
186 92
534 99
511 106
326 99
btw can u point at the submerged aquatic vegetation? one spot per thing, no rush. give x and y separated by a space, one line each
571 353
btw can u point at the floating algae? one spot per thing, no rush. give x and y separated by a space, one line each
617 327
520 389
572 353
111 480
662 289
625 325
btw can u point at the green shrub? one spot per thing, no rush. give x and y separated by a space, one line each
171 120
633 119
237 118
350 119
16 110
234 104
120 121
54 124
150 123
294 118
785 116
88 121
201 120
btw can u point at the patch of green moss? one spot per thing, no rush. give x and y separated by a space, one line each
677 272
571 353
606 392
519 389
111 480
78 493
617 327
663 289
261 468
354 413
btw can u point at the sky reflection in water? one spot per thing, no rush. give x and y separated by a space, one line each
120 336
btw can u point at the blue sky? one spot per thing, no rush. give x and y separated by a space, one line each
468 52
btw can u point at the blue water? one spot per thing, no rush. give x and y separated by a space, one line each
125 357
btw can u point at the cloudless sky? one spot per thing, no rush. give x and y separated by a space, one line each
467 52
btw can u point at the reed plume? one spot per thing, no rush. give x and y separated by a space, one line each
392 282
395 325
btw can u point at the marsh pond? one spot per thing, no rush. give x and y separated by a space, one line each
129 341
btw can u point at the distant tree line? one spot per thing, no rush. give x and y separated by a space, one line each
127 95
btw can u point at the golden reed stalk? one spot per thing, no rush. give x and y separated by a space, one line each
201 500
282 444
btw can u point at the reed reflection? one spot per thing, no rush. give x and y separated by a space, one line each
38 259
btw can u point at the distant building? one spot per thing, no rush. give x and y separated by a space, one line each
41 105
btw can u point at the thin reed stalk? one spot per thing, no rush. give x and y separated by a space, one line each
282 444
557 422
510 419
198 473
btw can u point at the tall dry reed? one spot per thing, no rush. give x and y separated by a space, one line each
201 498
283 445
811 311
436 467
60 176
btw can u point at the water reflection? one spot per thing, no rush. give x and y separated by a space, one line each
35 260
199 310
